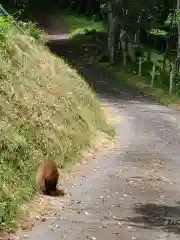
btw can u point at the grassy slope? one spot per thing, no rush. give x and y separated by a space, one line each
142 83
47 110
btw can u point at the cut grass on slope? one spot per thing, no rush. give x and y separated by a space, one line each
47 110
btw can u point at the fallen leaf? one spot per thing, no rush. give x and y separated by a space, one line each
104 226
43 219
119 223
51 228
27 226
86 213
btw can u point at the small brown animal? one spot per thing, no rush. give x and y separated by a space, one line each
47 178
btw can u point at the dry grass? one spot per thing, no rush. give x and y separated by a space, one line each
47 110
41 206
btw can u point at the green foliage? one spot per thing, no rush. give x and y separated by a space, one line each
160 90
31 29
5 27
78 24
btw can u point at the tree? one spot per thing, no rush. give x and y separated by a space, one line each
178 30
133 17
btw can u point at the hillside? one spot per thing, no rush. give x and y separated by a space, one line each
47 110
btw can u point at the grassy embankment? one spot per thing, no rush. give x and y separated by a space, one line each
47 110
160 90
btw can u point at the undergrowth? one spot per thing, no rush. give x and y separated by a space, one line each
94 50
46 110
77 23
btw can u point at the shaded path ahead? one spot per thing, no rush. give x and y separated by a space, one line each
133 191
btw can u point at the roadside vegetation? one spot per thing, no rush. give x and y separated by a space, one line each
47 110
93 47
141 39
78 23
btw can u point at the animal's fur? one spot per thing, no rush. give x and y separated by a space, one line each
47 178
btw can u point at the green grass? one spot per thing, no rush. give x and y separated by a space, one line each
77 24
159 92
158 32
140 83
47 110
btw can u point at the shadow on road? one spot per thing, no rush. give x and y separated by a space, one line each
77 52
148 216
161 216
73 53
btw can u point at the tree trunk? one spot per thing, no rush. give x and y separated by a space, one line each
137 32
178 44
113 33
113 38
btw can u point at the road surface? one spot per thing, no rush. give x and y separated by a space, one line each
131 192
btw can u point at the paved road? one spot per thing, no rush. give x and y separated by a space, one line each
131 192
